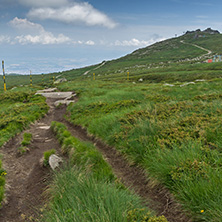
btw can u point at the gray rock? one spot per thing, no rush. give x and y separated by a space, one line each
66 102
54 161
186 84
167 84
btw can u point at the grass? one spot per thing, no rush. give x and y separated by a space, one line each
3 174
18 110
46 155
83 154
92 200
27 137
87 190
174 133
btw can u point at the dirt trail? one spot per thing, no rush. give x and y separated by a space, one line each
156 197
27 180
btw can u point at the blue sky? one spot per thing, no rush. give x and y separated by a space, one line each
55 35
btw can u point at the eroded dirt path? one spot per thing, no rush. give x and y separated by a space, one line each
27 180
156 197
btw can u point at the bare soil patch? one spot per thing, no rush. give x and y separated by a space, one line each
26 178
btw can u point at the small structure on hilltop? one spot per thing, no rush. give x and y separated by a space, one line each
202 34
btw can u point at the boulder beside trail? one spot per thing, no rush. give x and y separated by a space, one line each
54 161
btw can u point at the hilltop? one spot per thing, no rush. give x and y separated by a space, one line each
206 31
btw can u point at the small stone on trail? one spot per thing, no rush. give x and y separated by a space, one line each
54 161
66 102
44 127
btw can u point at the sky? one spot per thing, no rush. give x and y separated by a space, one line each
54 35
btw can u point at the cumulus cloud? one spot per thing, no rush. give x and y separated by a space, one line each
90 42
37 34
44 38
26 26
4 39
136 43
132 42
44 3
75 13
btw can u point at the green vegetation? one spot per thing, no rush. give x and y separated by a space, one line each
17 111
13 81
27 137
80 197
172 60
96 194
173 132
82 154
47 154
2 182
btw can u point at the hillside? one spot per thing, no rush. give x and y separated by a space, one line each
188 52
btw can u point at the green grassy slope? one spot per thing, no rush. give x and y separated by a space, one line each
164 58
173 132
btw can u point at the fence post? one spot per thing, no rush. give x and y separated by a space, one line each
3 69
30 78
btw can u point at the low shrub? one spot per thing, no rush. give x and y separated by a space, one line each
3 173
47 154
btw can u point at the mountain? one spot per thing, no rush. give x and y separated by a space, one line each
169 56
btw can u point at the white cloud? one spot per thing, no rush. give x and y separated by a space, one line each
35 33
4 39
43 38
44 3
75 13
90 42
81 42
26 26
136 42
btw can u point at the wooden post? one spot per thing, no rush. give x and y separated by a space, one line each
3 69
94 76
30 78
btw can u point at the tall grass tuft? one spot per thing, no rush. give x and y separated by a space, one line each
77 197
